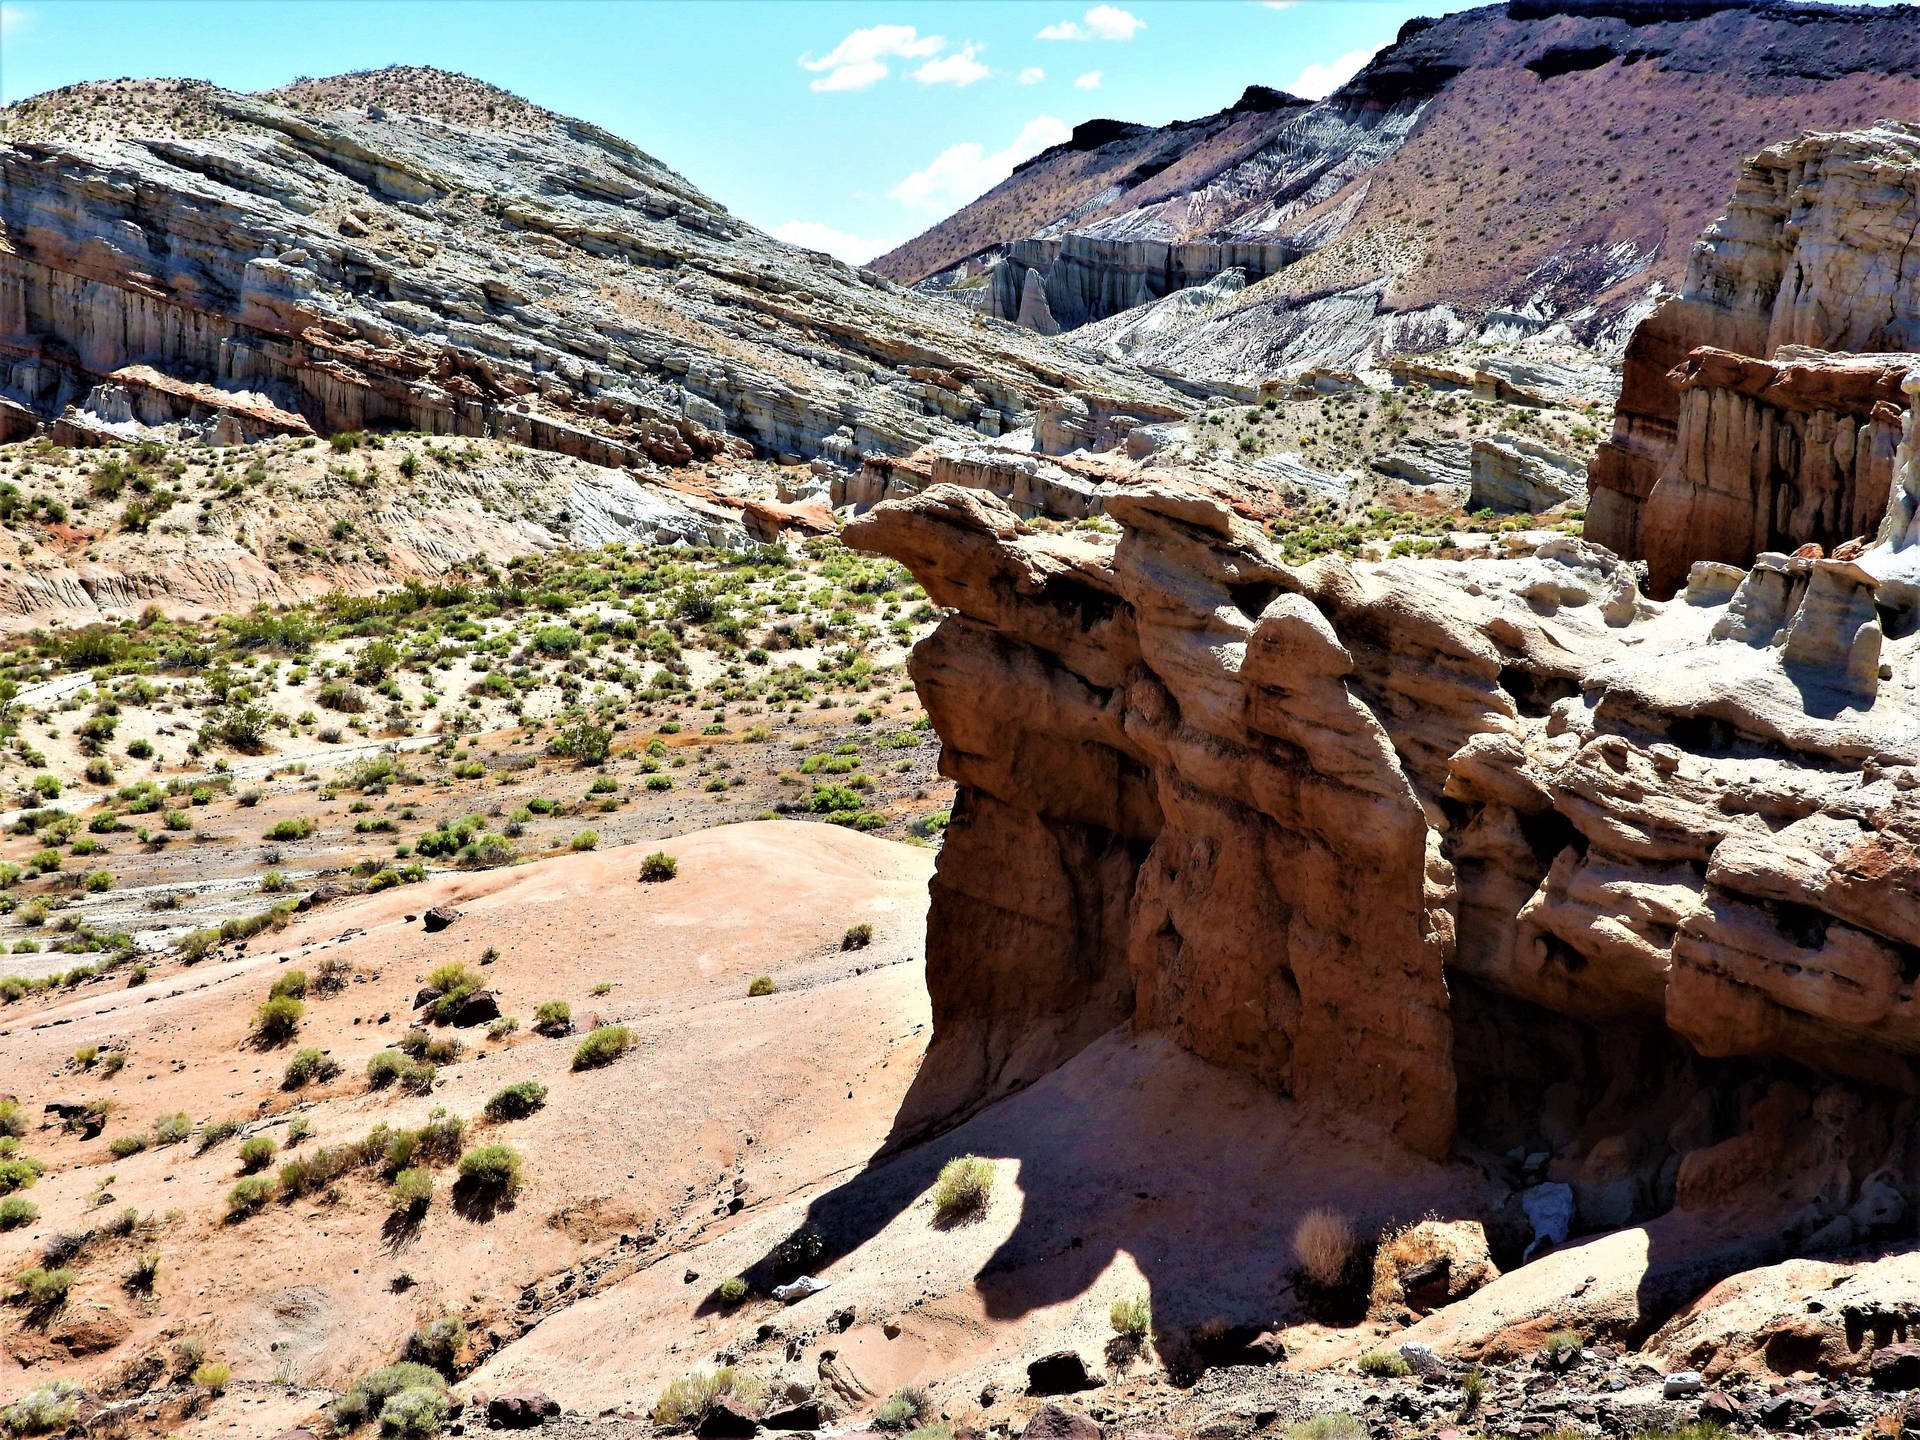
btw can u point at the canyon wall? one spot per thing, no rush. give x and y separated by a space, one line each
1714 456
1495 853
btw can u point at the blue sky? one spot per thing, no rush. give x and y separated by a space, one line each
844 126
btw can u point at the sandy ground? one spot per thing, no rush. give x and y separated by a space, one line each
718 1089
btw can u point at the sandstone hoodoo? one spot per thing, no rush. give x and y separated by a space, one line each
1759 409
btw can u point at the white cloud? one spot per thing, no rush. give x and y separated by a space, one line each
960 68
861 59
1088 81
812 235
1032 75
962 172
13 20
1102 22
1318 81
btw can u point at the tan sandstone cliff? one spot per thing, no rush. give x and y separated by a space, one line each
1764 439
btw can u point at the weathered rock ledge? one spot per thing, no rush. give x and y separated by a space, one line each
1495 854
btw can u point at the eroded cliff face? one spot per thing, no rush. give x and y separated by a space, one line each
415 250
1744 422
1495 853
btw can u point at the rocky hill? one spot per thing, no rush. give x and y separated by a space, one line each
413 249
1494 173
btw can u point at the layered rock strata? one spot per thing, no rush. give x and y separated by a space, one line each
1736 431
1356 829
369 262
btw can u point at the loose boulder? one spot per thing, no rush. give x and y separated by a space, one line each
439 918
1061 1373
521 1410
1051 1422
1429 1265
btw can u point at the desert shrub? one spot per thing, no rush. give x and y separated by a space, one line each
309 1066
297 827
384 1067
1382 1363
255 1152
1561 1349
1334 1425
172 1129
215 1132
1323 1243
1131 1318
16 1211
289 982
906 1409
1473 1385
963 1189
761 985
732 1290
414 1413
213 1376
602 1047
553 1017
858 937
188 1352
659 866
13 1120
491 1170
43 1410
19 1172
504 1026
341 697
316 1171
585 840
439 1140
686 1401
248 1196
516 1102
417 1078
412 1190
145 1272
42 1289
438 1343
276 1021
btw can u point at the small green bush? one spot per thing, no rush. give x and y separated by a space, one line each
517 1101
415 1413
278 1019
172 1129
963 1189
553 1017
438 1343
491 1170
585 840
44 1410
686 1401
298 827
213 1376
1384 1363
761 985
248 1196
255 1153
1562 1348
42 1289
1334 1425
125 1147
384 1067
309 1066
1131 1318
289 982
413 1190
13 1120
732 1290
602 1047
659 866
906 1409
16 1211
145 1272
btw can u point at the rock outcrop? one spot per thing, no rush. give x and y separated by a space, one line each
1759 409
1496 174
1488 851
363 253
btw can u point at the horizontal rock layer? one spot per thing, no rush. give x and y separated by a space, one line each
369 266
